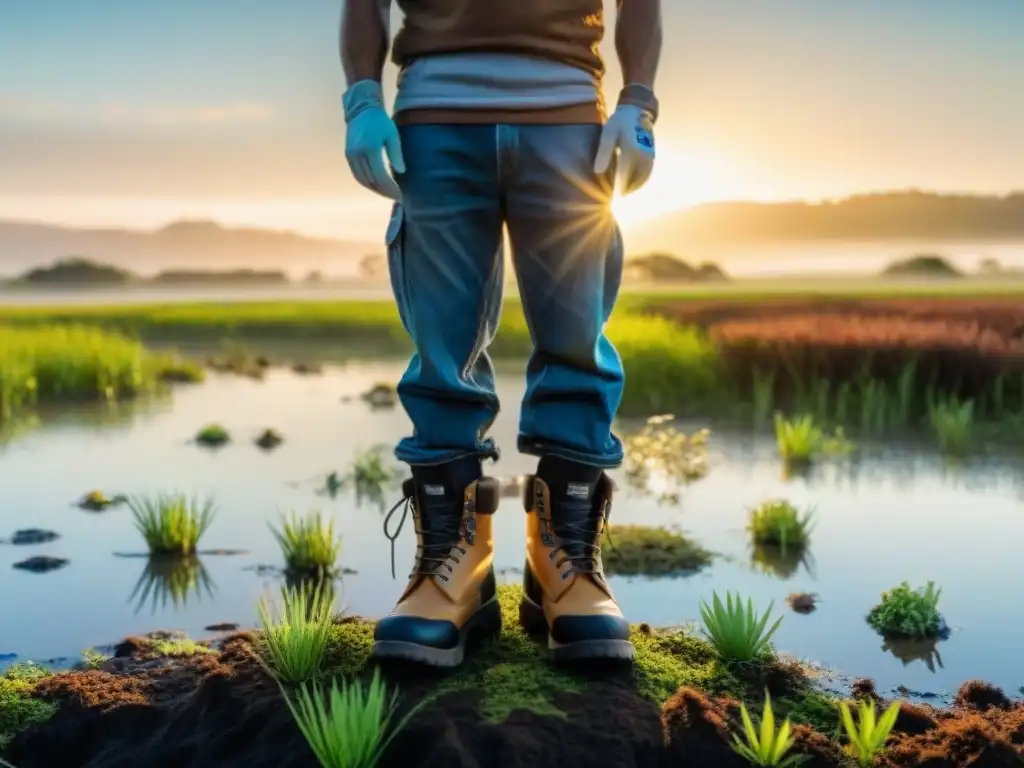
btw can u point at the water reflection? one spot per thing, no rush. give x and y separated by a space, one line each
908 651
781 562
171 580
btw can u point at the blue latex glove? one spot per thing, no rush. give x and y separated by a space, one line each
630 131
372 134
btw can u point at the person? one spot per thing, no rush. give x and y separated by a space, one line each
499 120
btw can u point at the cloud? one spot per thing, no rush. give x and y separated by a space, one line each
20 109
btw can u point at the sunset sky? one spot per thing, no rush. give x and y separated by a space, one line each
121 112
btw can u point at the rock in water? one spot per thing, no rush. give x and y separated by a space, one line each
33 536
41 564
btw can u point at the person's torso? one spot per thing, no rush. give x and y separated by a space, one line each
496 88
565 31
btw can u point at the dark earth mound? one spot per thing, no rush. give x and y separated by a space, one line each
202 708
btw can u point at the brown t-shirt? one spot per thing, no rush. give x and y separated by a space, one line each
568 31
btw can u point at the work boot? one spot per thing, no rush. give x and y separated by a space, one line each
566 596
451 593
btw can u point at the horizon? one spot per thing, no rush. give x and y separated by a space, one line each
229 224
795 101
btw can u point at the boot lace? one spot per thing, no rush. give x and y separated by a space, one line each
574 537
440 529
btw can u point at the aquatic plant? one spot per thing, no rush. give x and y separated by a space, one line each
952 423
294 642
800 440
907 612
735 630
171 524
868 735
632 550
353 727
660 451
309 543
213 436
776 521
766 746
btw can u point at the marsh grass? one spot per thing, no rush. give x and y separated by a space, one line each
62 363
661 454
801 441
171 581
952 423
777 522
735 630
172 524
906 612
295 638
309 544
352 724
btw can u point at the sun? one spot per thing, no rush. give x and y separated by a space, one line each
679 180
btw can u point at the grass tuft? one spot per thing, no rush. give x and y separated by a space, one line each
172 524
309 544
294 642
779 523
353 727
735 630
952 423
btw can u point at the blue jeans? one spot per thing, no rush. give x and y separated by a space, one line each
446 258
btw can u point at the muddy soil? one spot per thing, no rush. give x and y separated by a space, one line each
223 710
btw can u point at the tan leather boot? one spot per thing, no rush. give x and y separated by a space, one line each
566 596
451 593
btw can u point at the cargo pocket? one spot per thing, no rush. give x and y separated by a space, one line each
395 241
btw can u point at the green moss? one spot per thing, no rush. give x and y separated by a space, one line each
349 648
180 647
639 550
18 708
513 672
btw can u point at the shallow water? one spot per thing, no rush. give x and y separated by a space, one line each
892 517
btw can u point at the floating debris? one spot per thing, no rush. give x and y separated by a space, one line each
803 602
269 439
97 501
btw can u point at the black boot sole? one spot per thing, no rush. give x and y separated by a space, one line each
485 623
531 618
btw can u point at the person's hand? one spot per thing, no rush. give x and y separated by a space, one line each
630 131
371 135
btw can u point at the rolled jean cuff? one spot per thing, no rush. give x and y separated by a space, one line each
539 448
414 455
